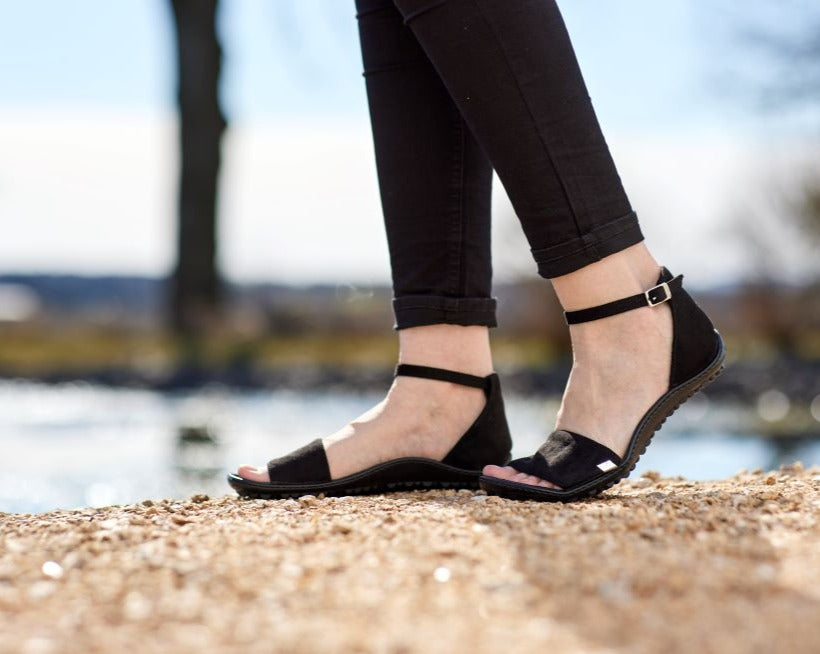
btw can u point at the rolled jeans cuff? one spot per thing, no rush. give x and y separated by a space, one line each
418 310
593 246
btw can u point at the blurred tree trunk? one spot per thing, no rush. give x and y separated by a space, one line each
195 287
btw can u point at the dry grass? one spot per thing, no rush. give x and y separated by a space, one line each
39 350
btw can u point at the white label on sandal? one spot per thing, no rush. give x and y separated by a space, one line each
607 465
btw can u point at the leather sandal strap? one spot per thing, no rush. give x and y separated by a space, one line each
428 372
568 459
307 464
653 297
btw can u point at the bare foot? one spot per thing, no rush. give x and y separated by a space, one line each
419 417
620 368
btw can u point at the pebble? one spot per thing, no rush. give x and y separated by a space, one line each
442 574
52 570
41 589
652 475
179 519
342 527
136 607
14 545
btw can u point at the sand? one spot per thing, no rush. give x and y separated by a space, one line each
655 565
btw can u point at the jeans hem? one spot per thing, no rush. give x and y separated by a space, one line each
588 248
420 310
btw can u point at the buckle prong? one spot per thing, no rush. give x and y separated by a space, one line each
651 298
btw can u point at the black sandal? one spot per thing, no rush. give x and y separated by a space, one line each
487 441
583 467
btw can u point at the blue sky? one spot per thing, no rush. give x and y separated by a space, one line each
649 64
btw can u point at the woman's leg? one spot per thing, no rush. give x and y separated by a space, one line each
435 184
512 72
435 180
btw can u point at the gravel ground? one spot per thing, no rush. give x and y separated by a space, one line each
655 565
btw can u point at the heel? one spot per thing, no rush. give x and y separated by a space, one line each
488 440
695 342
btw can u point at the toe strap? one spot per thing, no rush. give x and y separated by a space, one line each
568 459
307 464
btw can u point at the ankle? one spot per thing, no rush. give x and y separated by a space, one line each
453 347
609 342
419 403
622 274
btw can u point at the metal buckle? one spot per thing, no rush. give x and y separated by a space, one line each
651 295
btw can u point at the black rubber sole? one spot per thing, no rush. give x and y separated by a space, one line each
407 474
642 436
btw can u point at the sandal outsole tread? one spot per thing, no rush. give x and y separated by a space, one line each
359 484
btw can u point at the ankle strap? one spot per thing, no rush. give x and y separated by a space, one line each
427 372
651 298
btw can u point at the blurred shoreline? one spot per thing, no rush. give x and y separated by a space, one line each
364 363
111 330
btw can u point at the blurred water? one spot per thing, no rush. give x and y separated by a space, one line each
78 445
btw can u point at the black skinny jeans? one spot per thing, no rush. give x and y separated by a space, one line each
457 88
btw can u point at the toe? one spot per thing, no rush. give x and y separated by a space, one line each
501 472
532 480
504 472
252 473
511 474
